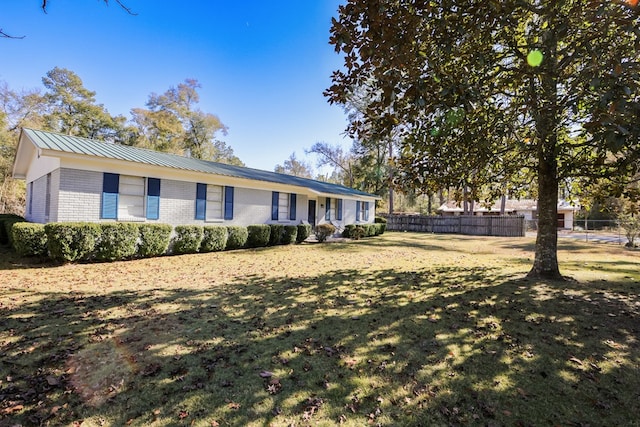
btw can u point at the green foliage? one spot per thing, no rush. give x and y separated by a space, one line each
118 241
503 122
214 238
304 231
290 234
295 167
631 226
258 235
237 238
29 239
277 231
173 122
323 231
382 227
71 241
353 231
73 109
380 220
6 222
154 239
187 239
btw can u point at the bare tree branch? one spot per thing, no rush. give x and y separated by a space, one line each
9 36
122 5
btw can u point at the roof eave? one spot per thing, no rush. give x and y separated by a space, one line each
25 151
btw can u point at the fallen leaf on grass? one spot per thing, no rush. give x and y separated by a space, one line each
576 360
13 409
266 374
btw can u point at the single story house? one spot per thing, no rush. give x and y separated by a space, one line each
525 207
78 179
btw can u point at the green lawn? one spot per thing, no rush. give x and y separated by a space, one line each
401 329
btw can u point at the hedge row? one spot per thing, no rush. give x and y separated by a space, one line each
358 231
83 241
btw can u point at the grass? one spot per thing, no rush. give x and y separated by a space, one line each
402 329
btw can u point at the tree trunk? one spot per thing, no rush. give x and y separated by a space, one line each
390 176
545 264
465 204
545 107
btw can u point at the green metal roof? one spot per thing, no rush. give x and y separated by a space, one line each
77 145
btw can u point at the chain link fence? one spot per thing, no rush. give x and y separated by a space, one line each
604 231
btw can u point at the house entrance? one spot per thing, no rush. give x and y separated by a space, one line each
312 213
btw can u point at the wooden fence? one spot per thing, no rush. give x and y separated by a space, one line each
505 226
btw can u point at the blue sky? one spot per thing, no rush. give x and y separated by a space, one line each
263 65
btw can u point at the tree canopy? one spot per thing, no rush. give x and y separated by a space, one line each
498 94
294 166
172 122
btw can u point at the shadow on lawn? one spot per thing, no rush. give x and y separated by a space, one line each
457 346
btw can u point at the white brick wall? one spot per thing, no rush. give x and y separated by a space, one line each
55 195
37 200
177 202
80 195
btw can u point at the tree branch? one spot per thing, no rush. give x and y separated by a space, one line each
9 36
122 5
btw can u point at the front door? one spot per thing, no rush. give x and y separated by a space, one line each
312 213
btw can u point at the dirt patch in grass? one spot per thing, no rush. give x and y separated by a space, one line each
404 329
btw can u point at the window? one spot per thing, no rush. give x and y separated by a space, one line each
131 198
214 202
110 183
283 206
339 210
153 198
362 211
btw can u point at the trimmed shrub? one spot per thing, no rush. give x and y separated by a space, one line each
118 240
382 227
290 234
380 220
154 239
214 238
187 239
6 222
71 241
323 231
29 239
304 231
277 231
237 237
258 235
353 231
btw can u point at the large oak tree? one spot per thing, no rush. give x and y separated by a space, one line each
484 92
